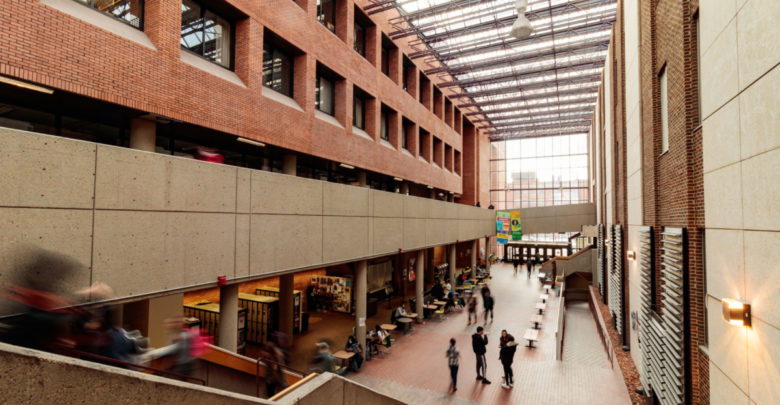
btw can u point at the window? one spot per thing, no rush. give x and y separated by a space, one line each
385 61
664 112
405 133
128 11
278 70
205 33
383 132
360 39
323 97
358 109
698 66
326 14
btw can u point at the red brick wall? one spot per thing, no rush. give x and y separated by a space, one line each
45 46
673 181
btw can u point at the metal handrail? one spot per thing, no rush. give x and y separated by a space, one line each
266 362
79 354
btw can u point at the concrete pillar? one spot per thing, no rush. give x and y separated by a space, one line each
452 266
419 285
143 134
487 253
286 317
405 188
290 164
474 252
361 295
266 165
228 317
362 178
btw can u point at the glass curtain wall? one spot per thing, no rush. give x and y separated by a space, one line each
539 172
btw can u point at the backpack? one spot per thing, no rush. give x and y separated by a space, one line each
199 343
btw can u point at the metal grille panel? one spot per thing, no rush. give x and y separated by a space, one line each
616 276
662 337
600 257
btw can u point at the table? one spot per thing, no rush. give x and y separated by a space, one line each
388 326
437 302
344 356
536 319
541 306
405 321
547 288
544 297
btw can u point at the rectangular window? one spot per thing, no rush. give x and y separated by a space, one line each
404 132
664 112
698 64
278 69
128 11
326 14
358 111
205 33
323 97
383 132
385 61
360 39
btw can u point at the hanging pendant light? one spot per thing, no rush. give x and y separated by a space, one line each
521 28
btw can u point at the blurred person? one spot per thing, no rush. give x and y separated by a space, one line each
515 263
453 357
187 345
488 302
209 155
275 378
471 303
324 361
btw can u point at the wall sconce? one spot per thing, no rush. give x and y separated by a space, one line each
736 312
631 255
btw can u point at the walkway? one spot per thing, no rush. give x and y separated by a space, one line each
416 371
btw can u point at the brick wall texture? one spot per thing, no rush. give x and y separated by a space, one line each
43 45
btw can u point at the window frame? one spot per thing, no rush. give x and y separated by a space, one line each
318 94
358 98
362 52
664 108
333 15
91 5
272 49
232 37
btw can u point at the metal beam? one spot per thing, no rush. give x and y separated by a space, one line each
534 86
562 103
568 67
587 110
583 90
507 137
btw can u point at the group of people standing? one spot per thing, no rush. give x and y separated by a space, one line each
479 342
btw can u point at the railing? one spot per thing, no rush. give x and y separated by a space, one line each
561 324
301 375
80 355
292 387
601 326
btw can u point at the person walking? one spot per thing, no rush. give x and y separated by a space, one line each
453 355
515 262
487 302
507 356
529 266
472 307
479 342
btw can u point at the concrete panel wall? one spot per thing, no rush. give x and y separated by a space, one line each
33 377
331 389
560 218
740 93
145 222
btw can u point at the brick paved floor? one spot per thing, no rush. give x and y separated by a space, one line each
416 368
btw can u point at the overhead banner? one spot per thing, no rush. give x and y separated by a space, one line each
503 228
517 227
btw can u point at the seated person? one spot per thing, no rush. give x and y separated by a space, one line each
450 301
437 291
356 362
399 312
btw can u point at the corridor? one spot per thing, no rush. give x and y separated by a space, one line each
416 371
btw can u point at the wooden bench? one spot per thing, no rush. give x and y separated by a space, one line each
536 319
531 335
544 297
541 306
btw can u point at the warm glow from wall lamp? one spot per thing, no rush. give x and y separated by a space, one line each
25 85
251 142
736 312
631 255
346 166
398 179
430 187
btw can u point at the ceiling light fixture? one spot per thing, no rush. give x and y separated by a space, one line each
346 166
521 29
251 142
398 179
25 85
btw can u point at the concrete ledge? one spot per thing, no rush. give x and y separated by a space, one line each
34 377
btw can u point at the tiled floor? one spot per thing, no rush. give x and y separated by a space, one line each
416 369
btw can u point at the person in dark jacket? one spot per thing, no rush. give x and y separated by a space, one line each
487 302
507 355
479 342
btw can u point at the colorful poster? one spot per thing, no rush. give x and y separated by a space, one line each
517 227
502 227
